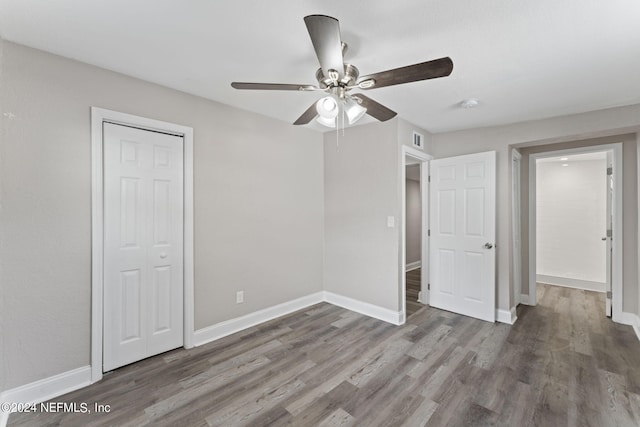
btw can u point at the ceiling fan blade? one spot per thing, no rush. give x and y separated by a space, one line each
325 36
375 109
271 86
307 116
441 67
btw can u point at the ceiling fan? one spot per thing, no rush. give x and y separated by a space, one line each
337 78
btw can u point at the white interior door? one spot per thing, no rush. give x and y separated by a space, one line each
143 244
463 226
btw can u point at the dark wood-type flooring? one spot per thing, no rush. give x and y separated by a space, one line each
412 280
562 364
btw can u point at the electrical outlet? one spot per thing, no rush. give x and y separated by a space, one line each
239 297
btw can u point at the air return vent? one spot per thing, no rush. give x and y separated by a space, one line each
417 140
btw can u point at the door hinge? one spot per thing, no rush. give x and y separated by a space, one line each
428 233
429 178
609 296
428 286
609 171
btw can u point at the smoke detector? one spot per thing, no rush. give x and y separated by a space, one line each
470 103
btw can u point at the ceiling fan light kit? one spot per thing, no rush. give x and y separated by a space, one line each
354 110
330 123
327 107
337 78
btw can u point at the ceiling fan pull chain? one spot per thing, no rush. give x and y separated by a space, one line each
343 121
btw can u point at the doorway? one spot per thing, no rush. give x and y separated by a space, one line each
575 215
414 257
156 318
413 241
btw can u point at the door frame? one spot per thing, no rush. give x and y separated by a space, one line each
98 117
423 159
516 225
617 252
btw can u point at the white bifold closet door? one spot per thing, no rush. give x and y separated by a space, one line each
143 244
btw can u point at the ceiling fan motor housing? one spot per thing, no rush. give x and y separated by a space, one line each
351 74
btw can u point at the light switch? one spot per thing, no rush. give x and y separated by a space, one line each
391 221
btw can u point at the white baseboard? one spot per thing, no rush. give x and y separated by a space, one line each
45 389
506 316
413 266
375 311
630 319
524 299
228 327
586 285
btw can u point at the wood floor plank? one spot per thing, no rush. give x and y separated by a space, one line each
339 418
562 364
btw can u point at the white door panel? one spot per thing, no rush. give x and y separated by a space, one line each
462 205
608 234
143 253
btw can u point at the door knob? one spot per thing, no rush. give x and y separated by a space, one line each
488 245
163 255
604 238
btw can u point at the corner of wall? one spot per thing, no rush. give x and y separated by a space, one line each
361 191
637 329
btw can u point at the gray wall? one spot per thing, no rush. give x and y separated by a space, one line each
258 206
613 121
361 191
414 217
571 218
405 135
629 209
363 184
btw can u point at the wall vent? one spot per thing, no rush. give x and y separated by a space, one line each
417 140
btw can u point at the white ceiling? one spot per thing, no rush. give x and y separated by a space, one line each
524 60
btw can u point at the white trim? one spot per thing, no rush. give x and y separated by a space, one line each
506 316
524 299
375 311
567 282
228 327
516 225
46 389
630 319
413 266
617 254
424 274
532 231
424 192
98 116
